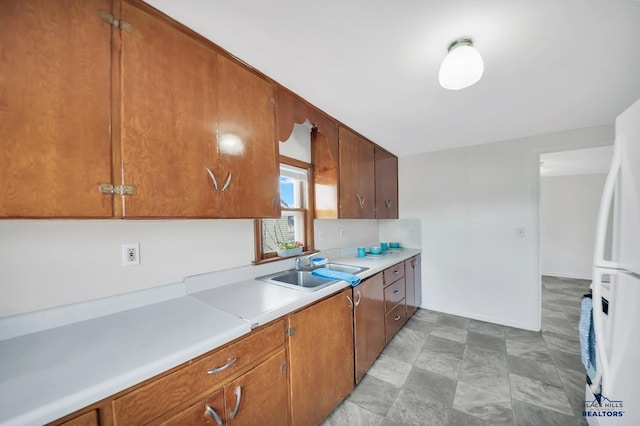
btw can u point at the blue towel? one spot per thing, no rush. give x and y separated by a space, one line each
587 337
328 274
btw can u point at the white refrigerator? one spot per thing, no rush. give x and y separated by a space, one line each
616 277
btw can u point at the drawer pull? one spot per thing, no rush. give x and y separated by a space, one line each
224 367
397 317
235 409
396 271
396 291
213 414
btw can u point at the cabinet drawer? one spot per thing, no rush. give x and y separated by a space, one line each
150 401
393 294
393 273
394 320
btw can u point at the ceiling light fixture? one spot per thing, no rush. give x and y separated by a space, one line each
462 67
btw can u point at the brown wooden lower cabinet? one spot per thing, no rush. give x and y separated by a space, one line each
331 345
395 302
413 284
321 358
368 323
257 397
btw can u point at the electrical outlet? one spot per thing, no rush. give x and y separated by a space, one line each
341 232
130 254
321 235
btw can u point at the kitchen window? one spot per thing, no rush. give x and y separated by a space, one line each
295 226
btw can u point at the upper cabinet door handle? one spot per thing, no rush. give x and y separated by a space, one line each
387 203
227 182
213 178
360 199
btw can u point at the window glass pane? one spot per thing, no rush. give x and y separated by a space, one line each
293 182
288 229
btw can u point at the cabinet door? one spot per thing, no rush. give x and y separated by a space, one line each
54 108
386 184
247 146
410 282
320 358
357 195
259 396
168 120
368 322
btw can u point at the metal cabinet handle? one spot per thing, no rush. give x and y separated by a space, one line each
213 414
227 182
397 317
396 291
396 271
350 302
387 203
213 178
359 297
224 367
360 199
238 397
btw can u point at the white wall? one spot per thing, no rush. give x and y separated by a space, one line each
50 263
470 202
568 215
357 232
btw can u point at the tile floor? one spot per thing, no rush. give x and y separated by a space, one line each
443 369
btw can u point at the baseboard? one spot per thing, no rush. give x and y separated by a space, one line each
566 275
475 316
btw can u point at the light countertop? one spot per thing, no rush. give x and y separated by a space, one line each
48 374
260 302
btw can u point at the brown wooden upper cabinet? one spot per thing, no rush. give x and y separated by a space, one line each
168 120
386 184
357 176
140 119
54 108
198 135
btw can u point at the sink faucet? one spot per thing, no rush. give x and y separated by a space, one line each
303 260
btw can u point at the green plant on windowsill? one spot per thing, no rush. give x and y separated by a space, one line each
290 245
291 248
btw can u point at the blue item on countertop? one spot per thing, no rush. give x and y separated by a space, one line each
587 337
319 260
361 252
328 274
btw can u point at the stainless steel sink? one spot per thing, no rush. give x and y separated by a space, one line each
303 279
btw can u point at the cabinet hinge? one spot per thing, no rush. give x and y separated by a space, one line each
107 188
117 23
291 331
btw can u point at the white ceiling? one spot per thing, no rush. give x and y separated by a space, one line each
576 162
550 65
